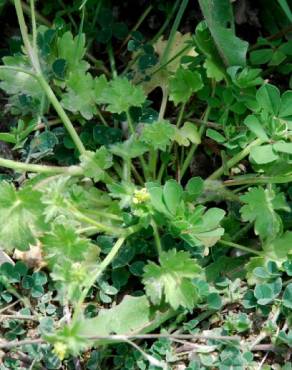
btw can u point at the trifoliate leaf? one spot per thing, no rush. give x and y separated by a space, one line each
121 95
187 134
184 84
94 164
158 134
172 279
212 70
63 242
72 50
253 123
21 216
82 93
192 225
280 248
199 228
260 206
263 154
268 98
266 293
245 77
130 148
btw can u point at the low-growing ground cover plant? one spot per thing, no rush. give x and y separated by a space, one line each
145 200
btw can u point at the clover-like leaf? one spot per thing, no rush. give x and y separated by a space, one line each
82 93
268 98
72 50
187 134
121 95
64 243
200 228
94 164
184 84
158 134
21 216
260 206
130 148
280 248
172 279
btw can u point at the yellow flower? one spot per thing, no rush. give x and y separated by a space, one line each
60 350
140 196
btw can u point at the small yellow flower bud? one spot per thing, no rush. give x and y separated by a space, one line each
60 350
141 196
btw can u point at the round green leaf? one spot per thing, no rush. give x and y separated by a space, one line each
214 301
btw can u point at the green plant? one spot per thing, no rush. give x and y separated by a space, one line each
129 211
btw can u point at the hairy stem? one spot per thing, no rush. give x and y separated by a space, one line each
32 53
174 28
62 114
156 237
101 268
252 180
233 161
37 168
33 25
239 246
163 103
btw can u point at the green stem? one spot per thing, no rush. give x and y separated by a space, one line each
46 87
141 158
163 103
62 114
37 168
33 25
242 232
39 17
101 268
162 66
137 175
101 117
156 237
191 152
130 122
153 157
174 28
180 115
24 33
252 180
233 161
112 60
166 22
100 226
239 246
127 170
22 25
